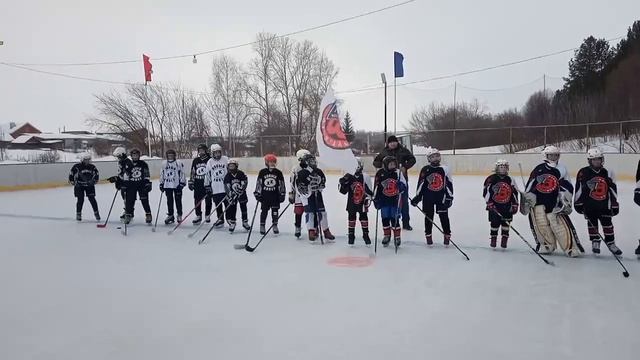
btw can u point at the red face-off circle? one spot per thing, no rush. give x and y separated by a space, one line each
350 261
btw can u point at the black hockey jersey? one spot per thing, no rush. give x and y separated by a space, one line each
124 170
199 170
236 185
309 185
139 174
270 187
596 190
84 175
435 185
357 187
387 187
501 191
546 182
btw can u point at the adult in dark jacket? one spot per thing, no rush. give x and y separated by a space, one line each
406 160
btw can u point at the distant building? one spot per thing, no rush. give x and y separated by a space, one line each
71 141
12 130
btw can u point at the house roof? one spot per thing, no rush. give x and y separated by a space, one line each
49 137
6 129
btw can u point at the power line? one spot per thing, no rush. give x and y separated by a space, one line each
225 48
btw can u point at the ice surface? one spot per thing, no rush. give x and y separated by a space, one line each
72 291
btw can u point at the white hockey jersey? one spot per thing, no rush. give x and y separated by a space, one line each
215 173
292 182
172 174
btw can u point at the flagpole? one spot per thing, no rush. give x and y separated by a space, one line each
395 104
146 104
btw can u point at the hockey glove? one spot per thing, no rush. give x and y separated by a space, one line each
292 198
282 198
191 185
579 208
448 201
415 201
208 190
180 187
113 179
345 179
514 208
636 197
161 187
72 182
615 208
491 206
367 203
257 196
148 186
376 204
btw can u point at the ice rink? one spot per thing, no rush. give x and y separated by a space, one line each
73 291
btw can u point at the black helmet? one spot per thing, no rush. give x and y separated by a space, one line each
388 160
204 148
134 151
309 160
171 152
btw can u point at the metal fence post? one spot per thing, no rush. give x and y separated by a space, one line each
620 138
454 141
261 150
511 140
588 137
545 136
290 146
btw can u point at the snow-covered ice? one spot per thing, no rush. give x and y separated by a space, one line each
72 291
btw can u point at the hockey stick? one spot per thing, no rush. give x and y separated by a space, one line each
215 209
204 238
523 239
186 216
252 249
441 231
102 226
397 219
153 229
317 216
625 273
240 246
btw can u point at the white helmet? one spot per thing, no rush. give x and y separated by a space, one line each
551 150
594 153
84 156
433 155
502 167
120 152
215 147
301 154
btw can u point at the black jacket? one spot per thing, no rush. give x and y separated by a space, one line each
404 157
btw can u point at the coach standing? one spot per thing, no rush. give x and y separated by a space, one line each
406 160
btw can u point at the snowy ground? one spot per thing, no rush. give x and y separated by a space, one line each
72 291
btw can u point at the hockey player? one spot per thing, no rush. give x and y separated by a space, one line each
196 184
270 192
294 198
501 196
636 199
172 181
435 190
388 188
547 201
139 183
122 178
310 181
84 176
235 183
357 187
597 199
214 182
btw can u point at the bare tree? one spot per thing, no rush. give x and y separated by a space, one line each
228 105
260 74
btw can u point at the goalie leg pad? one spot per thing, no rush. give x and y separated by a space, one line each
542 229
563 231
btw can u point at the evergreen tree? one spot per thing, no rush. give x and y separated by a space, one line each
347 127
587 66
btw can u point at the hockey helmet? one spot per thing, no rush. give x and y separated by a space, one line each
387 161
270 161
232 165
171 152
310 160
433 156
216 151
501 167
551 155
595 154
135 154
120 152
85 156
301 153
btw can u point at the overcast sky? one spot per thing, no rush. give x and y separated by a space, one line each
436 38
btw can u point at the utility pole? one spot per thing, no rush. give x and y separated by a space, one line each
455 95
384 81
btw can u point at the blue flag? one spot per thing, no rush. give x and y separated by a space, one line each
397 64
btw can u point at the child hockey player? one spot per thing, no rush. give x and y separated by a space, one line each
310 181
124 173
139 183
547 200
235 183
196 184
84 176
357 186
597 199
435 190
294 198
270 192
501 195
172 181
389 186
214 182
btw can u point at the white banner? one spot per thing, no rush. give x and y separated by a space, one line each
333 146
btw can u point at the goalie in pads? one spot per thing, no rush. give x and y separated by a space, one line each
547 201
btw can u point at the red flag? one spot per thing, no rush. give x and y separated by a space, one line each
148 68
